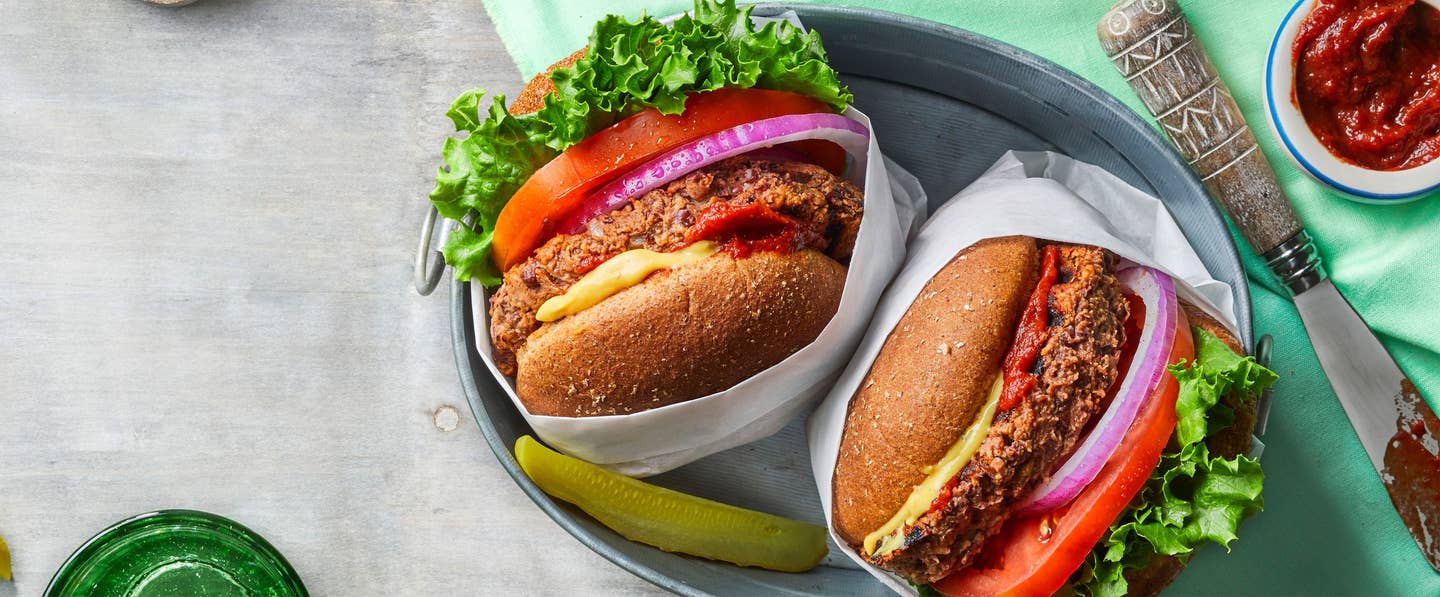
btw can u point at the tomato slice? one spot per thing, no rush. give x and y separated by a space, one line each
559 187
1035 556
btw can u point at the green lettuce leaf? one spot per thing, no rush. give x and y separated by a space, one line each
493 161
1191 497
925 590
629 67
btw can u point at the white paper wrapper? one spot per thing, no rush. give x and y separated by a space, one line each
1040 194
658 440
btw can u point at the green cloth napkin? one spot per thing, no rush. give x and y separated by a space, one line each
1328 527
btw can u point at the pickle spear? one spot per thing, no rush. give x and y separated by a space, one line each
4 560
670 520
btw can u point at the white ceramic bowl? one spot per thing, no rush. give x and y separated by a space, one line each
1361 184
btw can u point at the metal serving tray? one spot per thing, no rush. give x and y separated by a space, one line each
945 104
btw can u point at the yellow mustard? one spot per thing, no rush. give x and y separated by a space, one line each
892 535
618 273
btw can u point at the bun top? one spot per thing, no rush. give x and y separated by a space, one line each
1198 318
1236 438
532 96
930 380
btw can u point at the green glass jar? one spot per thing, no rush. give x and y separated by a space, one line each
176 553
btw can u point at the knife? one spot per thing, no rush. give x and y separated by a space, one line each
1154 46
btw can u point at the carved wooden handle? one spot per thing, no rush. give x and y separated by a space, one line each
1155 48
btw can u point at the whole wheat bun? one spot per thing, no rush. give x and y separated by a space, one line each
679 335
1235 439
532 96
930 380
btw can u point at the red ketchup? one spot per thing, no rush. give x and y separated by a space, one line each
1411 458
943 496
589 264
742 229
1367 79
1030 337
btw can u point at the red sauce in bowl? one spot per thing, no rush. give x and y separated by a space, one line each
1367 79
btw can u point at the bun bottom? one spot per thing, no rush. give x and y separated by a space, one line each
1151 579
679 335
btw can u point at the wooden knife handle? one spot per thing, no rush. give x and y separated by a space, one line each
1155 48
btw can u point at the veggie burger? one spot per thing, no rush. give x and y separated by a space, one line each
660 215
1043 419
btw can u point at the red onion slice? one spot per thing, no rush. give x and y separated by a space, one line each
1144 376
850 135
779 153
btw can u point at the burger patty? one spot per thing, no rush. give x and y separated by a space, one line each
1077 366
658 221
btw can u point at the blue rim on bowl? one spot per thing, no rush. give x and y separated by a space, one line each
1360 184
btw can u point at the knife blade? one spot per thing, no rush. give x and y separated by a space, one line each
1154 46
1396 426
1360 370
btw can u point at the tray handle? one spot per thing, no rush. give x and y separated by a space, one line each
429 263
1263 350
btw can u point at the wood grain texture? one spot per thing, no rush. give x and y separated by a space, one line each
1154 47
207 222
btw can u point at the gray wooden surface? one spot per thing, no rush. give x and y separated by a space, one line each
207 219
